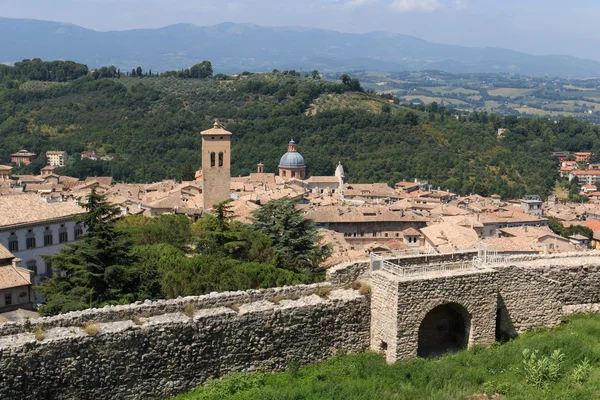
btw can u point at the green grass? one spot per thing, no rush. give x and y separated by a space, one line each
499 369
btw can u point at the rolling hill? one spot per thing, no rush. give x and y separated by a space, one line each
237 47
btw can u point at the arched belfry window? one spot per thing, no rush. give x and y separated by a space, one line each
220 159
212 159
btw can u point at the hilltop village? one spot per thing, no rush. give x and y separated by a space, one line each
38 213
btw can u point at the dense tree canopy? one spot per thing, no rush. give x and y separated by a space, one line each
125 259
150 126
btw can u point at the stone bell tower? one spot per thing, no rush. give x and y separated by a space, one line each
216 165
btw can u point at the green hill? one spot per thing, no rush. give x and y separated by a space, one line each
501 372
151 125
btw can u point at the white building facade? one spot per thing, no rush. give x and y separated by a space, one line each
31 228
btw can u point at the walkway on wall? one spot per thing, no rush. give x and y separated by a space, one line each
479 256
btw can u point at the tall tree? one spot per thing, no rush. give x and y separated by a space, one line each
96 270
295 238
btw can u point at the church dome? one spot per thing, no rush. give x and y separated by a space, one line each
291 159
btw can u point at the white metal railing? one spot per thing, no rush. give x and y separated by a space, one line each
416 270
486 255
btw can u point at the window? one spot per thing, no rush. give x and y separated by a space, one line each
212 159
220 159
30 243
48 239
49 270
293 174
78 231
32 266
63 237
283 173
8 299
13 242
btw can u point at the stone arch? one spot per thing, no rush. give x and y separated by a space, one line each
444 328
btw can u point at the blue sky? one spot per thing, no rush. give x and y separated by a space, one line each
533 26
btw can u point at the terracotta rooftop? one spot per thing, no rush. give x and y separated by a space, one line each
322 179
102 180
411 232
11 276
593 224
446 233
216 130
361 214
5 254
18 209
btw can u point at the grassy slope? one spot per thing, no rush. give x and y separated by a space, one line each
456 376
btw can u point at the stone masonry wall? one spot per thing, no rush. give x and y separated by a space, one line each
526 299
171 353
348 272
384 316
476 291
158 307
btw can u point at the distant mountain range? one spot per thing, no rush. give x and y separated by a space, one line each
238 47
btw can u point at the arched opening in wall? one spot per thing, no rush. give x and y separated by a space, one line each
505 330
444 329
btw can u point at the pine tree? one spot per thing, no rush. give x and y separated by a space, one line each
295 238
98 269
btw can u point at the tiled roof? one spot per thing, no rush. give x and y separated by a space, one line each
361 214
593 224
216 130
322 179
5 254
11 276
5 168
18 209
103 180
446 233
411 232
585 172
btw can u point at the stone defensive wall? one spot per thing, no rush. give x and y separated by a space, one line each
445 310
152 308
345 273
126 354
153 349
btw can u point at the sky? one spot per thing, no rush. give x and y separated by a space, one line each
532 26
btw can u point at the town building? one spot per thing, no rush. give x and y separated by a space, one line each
291 164
56 158
31 227
446 237
585 177
583 156
22 157
561 155
216 165
5 172
48 170
406 187
361 225
533 205
16 291
322 184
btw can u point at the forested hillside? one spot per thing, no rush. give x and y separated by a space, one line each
151 125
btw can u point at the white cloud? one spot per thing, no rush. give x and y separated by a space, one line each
415 5
426 5
357 3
